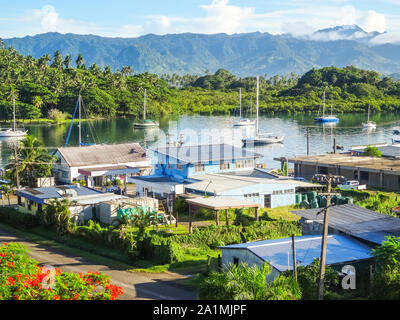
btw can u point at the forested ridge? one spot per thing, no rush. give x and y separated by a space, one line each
51 84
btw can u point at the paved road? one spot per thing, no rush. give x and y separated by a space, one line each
136 285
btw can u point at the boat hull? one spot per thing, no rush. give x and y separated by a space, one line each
145 125
263 141
244 123
10 133
324 120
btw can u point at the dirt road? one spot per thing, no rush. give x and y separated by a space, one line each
136 286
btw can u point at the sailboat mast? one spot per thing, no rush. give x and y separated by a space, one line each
144 105
80 120
14 123
240 99
368 112
258 89
323 107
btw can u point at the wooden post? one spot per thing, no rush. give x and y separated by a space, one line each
324 243
334 145
308 141
227 217
294 258
256 214
217 217
190 219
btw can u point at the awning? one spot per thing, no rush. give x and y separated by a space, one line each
221 203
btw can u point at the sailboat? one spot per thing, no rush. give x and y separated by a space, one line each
13 132
369 124
242 122
147 123
261 138
78 108
324 118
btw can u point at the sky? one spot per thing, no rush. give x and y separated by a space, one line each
133 18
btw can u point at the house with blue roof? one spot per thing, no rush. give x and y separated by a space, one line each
83 200
341 250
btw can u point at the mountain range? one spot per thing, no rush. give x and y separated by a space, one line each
245 54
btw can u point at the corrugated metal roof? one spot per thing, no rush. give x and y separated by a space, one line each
229 181
278 252
387 151
205 153
357 221
53 192
103 154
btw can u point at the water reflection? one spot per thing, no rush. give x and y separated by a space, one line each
197 129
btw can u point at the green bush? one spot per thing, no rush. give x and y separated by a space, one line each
18 219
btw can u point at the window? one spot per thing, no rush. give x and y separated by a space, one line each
179 166
224 165
235 260
323 170
198 167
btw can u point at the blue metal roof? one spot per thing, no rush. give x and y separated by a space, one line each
206 153
39 195
278 252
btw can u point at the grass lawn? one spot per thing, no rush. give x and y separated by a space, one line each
281 212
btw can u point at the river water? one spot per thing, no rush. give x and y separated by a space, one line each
196 129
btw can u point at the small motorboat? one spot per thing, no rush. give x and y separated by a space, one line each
396 130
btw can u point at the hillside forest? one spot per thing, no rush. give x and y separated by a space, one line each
49 86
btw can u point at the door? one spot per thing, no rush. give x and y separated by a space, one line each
267 201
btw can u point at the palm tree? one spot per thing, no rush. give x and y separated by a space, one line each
67 61
57 214
29 161
57 60
80 62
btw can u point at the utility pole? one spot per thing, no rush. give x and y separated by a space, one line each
294 259
308 141
324 240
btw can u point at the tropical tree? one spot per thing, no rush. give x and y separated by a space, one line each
387 272
80 62
29 161
243 282
58 214
67 61
6 190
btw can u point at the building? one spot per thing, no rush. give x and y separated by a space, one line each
97 163
218 171
348 219
186 162
341 250
375 172
254 186
84 200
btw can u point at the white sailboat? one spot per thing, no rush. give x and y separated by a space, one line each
261 138
147 123
242 122
13 132
369 124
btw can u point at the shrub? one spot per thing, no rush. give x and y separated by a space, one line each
18 219
22 279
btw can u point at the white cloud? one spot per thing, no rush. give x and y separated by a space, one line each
49 18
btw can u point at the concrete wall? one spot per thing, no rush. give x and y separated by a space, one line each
277 200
